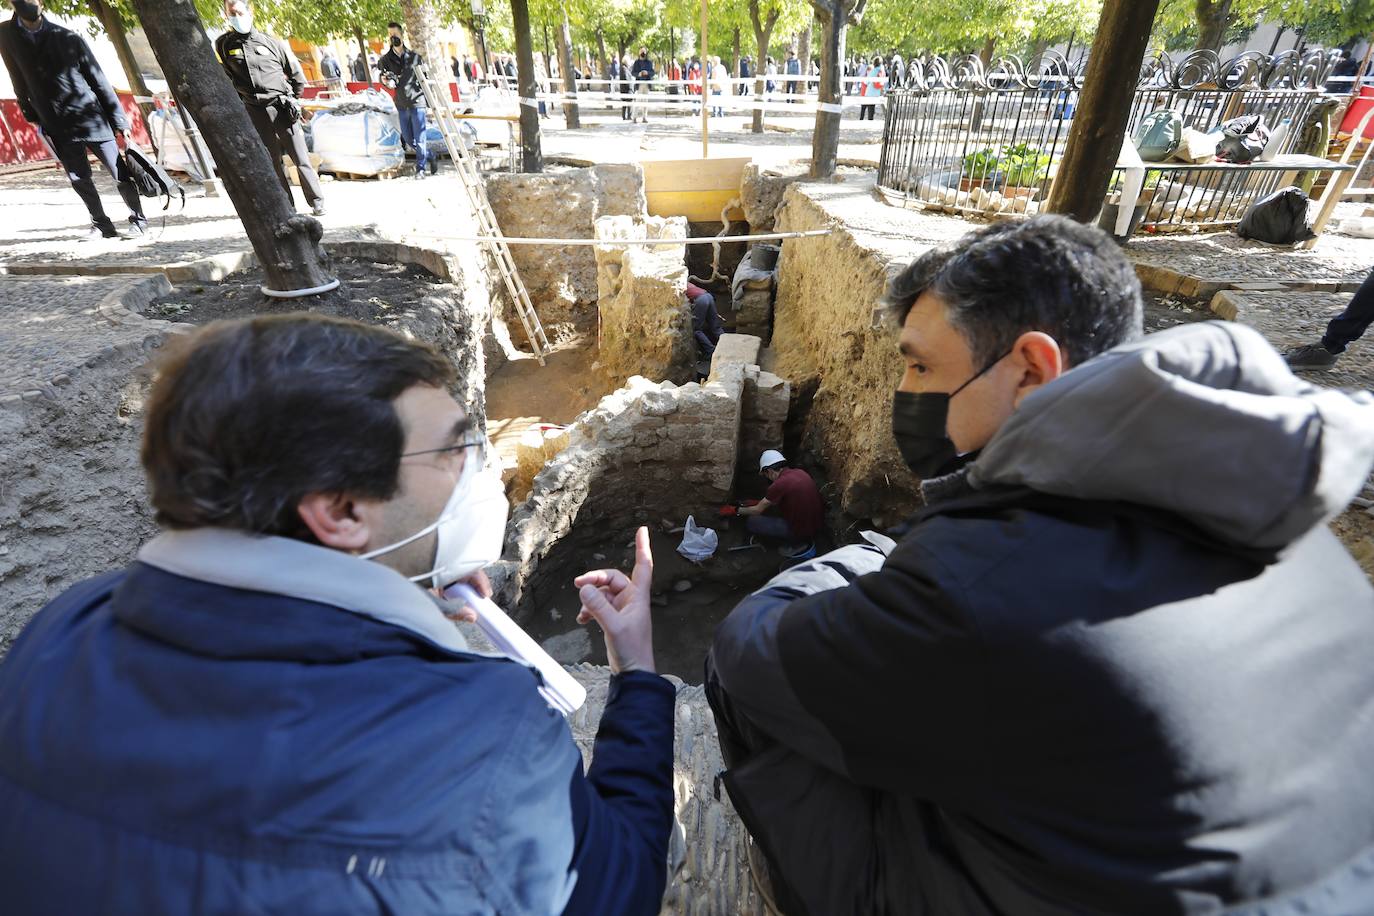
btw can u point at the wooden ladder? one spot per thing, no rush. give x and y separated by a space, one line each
446 119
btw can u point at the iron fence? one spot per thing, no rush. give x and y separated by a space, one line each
987 141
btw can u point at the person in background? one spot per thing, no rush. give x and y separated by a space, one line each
719 81
398 71
60 88
332 73
1069 687
771 70
793 495
872 90
674 77
745 71
272 711
625 88
793 68
643 72
1343 330
269 80
359 68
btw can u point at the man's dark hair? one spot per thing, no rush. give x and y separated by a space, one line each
396 25
246 417
1047 273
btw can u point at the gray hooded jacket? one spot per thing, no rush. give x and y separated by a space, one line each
1126 671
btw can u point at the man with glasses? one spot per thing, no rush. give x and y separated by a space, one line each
271 709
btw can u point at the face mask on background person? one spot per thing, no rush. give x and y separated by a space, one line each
241 24
27 11
395 41
920 426
472 527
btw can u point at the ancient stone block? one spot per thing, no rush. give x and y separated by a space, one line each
735 349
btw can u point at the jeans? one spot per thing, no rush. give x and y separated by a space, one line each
867 111
716 110
413 134
1347 327
278 135
73 157
770 526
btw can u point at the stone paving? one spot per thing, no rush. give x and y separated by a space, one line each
1290 318
53 325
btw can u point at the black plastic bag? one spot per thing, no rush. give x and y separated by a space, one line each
1280 219
1243 139
150 178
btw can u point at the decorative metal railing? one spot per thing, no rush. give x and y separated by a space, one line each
967 138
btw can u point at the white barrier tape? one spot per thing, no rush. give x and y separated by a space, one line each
612 243
830 107
529 103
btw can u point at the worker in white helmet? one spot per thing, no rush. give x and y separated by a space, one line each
799 513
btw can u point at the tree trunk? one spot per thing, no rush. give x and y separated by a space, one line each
601 49
286 244
120 39
422 34
362 46
804 50
763 33
565 63
734 61
1104 107
1038 49
1213 18
825 142
529 112
985 55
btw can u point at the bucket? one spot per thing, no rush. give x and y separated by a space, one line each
764 257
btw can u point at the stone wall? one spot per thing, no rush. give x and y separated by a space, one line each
645 322
647 452
562 204
762 188
828 340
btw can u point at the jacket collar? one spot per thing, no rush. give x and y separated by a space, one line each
943 489
295 569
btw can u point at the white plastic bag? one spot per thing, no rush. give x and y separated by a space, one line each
698 543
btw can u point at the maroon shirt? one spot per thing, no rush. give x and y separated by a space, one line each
798 501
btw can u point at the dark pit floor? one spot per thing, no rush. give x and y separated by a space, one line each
684 621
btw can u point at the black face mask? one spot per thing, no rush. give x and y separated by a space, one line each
395 41
27 11
919 426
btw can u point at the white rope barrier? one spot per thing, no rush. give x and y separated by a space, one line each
616 243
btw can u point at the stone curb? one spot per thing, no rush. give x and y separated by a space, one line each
1169 281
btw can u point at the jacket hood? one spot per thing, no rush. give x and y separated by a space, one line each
1204 421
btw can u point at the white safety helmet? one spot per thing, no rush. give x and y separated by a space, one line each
770 458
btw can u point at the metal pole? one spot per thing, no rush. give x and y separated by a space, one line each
705 87
212 185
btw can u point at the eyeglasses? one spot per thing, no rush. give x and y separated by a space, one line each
452 452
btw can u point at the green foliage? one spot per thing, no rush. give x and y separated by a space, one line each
1023 164
963 26
1324 22
981 163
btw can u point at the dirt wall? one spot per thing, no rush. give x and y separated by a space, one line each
562 204
828 339
645 324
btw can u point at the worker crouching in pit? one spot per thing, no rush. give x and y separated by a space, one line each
798 514
1117 664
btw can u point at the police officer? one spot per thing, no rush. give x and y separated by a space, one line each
269 80
397 67
60 87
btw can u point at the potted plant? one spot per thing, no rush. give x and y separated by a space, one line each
1023 168
978 169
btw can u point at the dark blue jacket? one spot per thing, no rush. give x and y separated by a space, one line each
175 745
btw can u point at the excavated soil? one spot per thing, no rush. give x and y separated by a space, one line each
690 600
370 291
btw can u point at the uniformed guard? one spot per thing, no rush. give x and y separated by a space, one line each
397 67
269 80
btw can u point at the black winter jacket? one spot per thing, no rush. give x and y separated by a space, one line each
262 68
1127 671
59 84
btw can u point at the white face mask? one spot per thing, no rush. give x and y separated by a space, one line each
241 24
472 529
